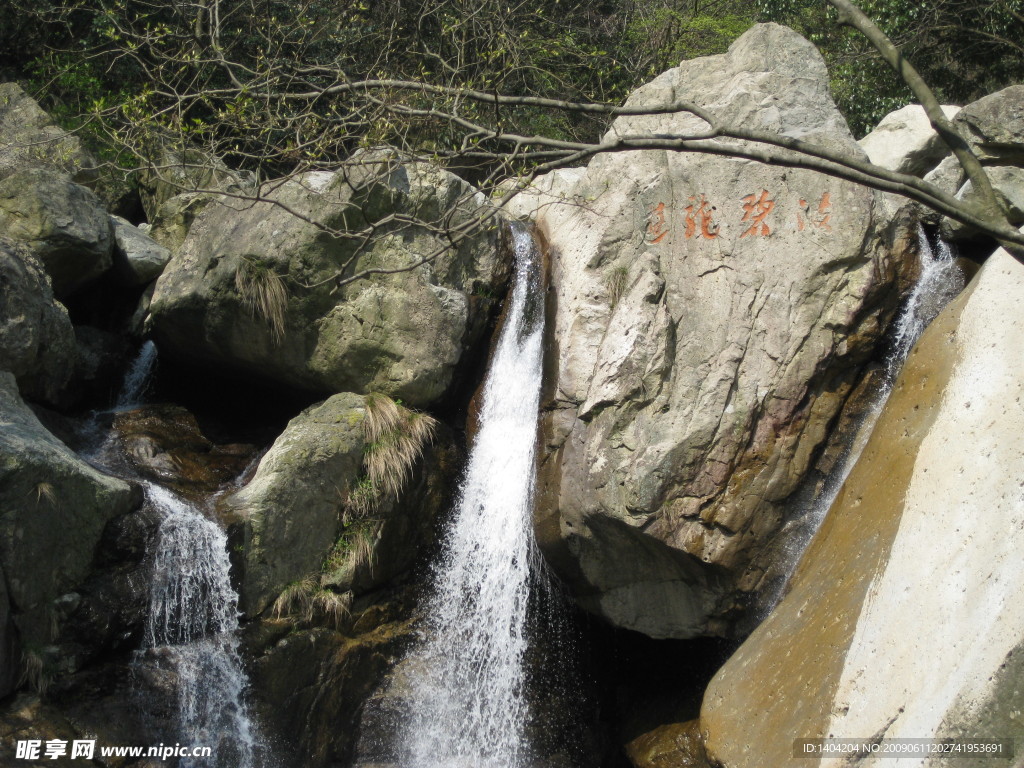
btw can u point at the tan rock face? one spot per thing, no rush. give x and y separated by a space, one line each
905 614
676 745
702 312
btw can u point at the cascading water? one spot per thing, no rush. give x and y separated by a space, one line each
468 705
137 378
193 617
940 280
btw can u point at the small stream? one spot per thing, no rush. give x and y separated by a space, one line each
192 621
939 282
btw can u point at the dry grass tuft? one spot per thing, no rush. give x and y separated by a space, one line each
264 292
395 437
33 671
46 491
309 603
616 281
296 597
356 547
331 606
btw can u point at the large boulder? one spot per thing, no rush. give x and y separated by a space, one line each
904 141
63 223
176 171
37 342
255 284
291 509
296 518
904 617
29 137
707 319
137 256
994 127
53 509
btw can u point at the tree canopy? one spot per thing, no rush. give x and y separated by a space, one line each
492 89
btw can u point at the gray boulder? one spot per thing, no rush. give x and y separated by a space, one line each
904 141
63 223
707 313
53 508
994 127
254 285
291 510
29 137
1008 183
37 343
136 255
182 171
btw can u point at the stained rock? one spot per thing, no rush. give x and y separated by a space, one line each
703 310
254 286
164 443
903 619
676 745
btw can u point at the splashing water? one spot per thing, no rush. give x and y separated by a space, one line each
939 282
468 704
137 378
193 618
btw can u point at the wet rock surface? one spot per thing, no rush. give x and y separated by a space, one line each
909 538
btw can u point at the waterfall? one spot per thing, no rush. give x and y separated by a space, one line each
137 378
193 618
467 700
939 281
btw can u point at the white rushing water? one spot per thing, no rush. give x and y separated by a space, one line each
137 378
468 706
193 618
939 282
941 279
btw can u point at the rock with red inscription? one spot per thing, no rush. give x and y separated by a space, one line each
707 320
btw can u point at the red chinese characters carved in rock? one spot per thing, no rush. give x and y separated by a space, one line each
820 218
657 227
755 211
700 219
